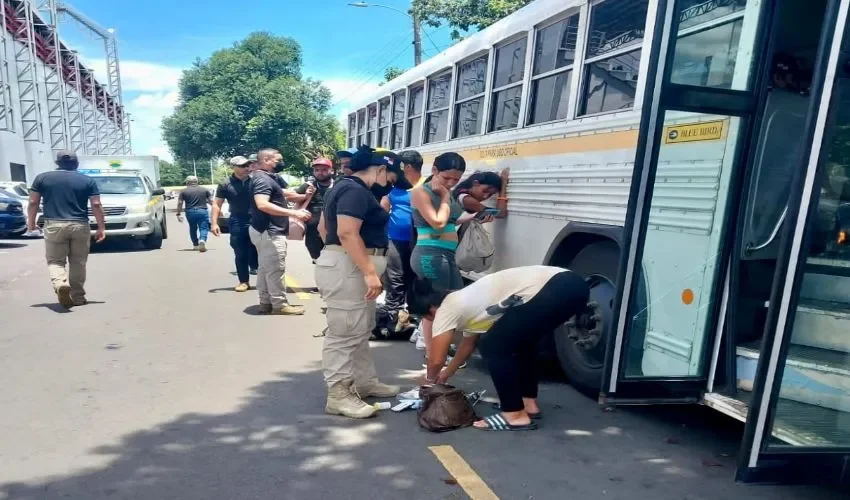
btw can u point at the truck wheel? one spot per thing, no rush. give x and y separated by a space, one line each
154 240
581 342
164 227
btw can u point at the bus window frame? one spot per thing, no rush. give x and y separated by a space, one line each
403 121
408 117
521 82
582 12
386 126
361 137
643 45
351 135
427 112
371 133
453 125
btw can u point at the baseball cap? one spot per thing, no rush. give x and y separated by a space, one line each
65 155
366 157
346 153
239 161
323 162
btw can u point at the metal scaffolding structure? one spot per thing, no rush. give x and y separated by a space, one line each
7 116
28 96
49 92
45 25
74 100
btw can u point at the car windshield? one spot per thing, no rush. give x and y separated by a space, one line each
17 191
119 185
5 193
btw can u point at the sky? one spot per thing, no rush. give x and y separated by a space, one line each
345 47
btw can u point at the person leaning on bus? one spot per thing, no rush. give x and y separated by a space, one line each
509 311
354 228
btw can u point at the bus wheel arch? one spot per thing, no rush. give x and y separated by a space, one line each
580 344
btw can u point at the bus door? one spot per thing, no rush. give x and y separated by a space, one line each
702 95
798 423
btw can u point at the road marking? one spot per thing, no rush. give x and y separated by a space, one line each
467 478
291 283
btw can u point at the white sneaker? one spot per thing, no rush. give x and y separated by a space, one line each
420 338
202 246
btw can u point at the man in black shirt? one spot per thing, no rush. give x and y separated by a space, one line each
269 227
67 236
196 198
236 190
316 188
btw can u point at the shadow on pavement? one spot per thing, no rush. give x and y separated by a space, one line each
279 444
118 245
55 307
8 244
254 310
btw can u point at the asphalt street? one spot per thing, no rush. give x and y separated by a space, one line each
168 386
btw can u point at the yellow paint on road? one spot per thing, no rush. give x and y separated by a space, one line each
291 283
467 478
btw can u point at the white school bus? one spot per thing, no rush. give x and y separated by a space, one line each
690 158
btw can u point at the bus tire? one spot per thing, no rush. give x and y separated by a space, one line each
154 240
583 365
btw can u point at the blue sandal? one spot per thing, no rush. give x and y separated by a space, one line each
497 422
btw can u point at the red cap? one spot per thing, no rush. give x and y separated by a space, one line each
323 162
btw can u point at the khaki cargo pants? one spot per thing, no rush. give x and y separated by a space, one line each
271 256
67 243
350 317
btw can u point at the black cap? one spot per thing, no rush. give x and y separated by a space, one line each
366 157
66 155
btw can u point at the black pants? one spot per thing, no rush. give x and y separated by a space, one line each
398 276
243 249
510 346
313 241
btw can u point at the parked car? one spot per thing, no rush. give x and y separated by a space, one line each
19 190
13 222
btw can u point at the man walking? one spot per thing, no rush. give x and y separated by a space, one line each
236 191
196 198
269 227
66 194
322 181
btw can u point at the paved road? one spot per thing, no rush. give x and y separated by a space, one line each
168 387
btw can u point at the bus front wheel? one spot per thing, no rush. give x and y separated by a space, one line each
580 343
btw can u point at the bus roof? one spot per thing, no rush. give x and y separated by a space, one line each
527 17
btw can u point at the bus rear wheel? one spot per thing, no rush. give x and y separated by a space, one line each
580 343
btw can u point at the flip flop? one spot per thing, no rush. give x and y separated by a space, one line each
532 416
497 422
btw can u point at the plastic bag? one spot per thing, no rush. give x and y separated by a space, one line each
475 251
444 408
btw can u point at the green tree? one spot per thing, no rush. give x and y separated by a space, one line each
391 73
465 15
170 174
248 97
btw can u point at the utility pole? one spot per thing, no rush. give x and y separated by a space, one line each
417 40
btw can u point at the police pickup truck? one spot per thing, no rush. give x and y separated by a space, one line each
134 207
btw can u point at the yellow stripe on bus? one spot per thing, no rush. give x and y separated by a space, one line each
623 139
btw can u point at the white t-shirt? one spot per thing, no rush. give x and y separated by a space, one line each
475 308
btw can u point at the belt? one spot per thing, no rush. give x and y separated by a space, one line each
380 252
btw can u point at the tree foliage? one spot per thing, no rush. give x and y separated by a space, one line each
248 97
465 15
392 72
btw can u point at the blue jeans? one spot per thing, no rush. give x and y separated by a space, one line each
243 249
199 222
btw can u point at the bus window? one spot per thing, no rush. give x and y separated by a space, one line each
372 124
507 85
554 53
361 127
437 118
352 130
706 56
414 113
613 55
472 78
384 123
396 134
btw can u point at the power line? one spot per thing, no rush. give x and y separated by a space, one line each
372 76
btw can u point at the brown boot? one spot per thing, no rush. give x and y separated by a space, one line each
64 293
343 400
377 389
289 310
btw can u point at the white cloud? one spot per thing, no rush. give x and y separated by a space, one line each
150 94
346 92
